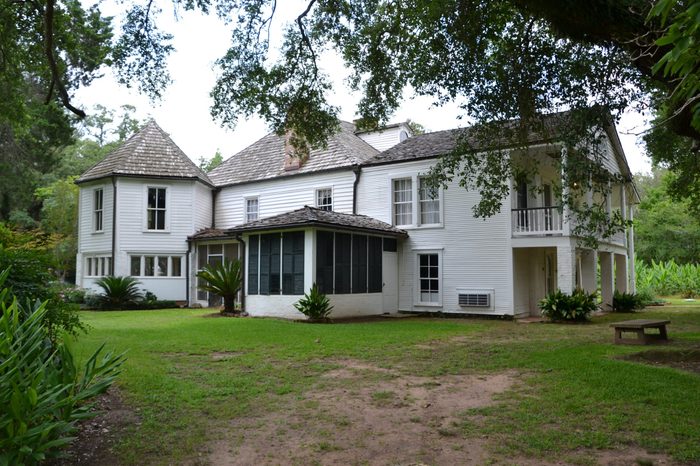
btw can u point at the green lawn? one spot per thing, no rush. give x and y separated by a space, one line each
574 394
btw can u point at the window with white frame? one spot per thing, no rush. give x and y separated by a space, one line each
149 265
403 201
252 205
415 202
155 210
98 210
429 278
429 203
98 266
324 199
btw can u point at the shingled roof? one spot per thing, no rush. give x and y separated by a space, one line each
149 153
264 159
306 217
441 143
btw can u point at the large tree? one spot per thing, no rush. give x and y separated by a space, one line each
502 59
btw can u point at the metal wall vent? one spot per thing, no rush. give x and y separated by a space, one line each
474 299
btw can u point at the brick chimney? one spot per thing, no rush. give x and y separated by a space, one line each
293 158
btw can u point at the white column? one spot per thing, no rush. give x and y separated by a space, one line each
623 207
566 213
309 258
607 279
621 273
630 254
589 262
566 268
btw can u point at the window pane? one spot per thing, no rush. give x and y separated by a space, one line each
429 204
403 200
160 220
152 198
149 270
176 264
293 263
342 262
135 269
324 261
162 270
374 264
429 281
253 242
324 199
231 251
359 264
251 209
161 198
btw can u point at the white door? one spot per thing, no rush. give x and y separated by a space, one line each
390 282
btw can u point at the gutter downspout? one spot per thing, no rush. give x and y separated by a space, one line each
114 222
214 194
357 170
187 272
239 238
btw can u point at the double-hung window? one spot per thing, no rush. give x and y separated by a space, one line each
99 209
403 201
252 206
415 202
324 199
155 211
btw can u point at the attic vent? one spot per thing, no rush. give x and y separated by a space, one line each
475 300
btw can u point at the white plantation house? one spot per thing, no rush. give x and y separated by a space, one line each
355 217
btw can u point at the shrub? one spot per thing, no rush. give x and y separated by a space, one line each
314 305
42 392
627 302
119 292
223 279
575 307
74 295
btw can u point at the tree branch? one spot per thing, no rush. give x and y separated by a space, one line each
50 57
305 37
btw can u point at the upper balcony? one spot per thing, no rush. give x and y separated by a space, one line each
537 221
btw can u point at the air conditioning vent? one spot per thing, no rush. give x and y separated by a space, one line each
474 299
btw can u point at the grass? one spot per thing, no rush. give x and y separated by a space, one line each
189 376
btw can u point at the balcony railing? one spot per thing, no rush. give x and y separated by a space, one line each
537 221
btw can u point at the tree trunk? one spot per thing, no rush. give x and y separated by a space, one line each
230 304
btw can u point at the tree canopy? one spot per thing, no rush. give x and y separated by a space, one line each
502 60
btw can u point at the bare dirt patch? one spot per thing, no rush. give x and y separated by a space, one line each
97 437
685 359
362 414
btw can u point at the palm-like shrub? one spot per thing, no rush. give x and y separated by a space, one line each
119 292
315 305
577 307
223 279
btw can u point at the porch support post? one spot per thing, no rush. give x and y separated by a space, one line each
621 273
566 213
630 254
589 259
566 268
606 279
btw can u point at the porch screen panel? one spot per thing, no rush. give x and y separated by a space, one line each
324 261
343 242
293 263
253 244
374 264
359 264
270 264
201 262
231 251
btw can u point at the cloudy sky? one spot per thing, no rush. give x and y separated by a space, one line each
184 109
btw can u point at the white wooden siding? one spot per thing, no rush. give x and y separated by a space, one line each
382 140
90 241
202 206
476 254
283 195
609 158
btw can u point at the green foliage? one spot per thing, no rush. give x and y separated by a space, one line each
30 272
668 278
314 305
209 165
151 301
119 292
576 307
627 302
223 279
43 394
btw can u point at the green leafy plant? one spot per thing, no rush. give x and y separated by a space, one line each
43 394
119 292
627 302
314 305
576 307
223 279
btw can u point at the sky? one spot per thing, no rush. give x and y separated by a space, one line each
183 112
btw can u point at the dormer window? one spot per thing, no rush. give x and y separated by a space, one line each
403 135
324 199
252 206
155 212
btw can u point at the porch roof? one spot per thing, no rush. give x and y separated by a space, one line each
305 217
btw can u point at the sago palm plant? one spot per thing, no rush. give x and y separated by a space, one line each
223 279
119 292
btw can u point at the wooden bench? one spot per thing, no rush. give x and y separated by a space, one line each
638 326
